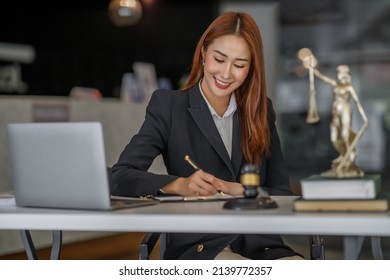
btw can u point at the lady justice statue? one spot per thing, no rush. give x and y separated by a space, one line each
342 137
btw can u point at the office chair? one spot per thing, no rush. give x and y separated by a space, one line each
148 243
317 248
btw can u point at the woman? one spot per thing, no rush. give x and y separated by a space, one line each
222 119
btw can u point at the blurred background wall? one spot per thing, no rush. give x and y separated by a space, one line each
76 43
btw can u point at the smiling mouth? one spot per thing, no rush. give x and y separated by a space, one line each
220 84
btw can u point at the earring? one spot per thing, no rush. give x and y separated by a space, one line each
202 61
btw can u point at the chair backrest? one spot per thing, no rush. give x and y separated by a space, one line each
109 175
148 243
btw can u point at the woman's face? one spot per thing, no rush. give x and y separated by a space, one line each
226 66
344 78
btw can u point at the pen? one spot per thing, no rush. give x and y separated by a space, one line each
191 162
196 167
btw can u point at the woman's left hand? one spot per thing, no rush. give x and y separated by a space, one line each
231 188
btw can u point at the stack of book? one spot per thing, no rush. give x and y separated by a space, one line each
344 194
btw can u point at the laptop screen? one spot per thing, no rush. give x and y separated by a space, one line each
59 165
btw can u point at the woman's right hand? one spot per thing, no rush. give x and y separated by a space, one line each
199 183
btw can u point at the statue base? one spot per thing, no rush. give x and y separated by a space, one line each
246 203
346 173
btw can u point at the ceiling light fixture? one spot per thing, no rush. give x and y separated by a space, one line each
125 12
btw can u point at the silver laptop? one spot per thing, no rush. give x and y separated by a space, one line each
61 165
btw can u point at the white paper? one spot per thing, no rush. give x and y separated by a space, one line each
7 199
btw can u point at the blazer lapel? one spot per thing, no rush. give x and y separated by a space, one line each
203 119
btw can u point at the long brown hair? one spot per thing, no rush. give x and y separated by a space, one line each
251 96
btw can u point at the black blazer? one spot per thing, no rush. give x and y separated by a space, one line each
178 123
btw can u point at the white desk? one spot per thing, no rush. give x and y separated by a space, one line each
200 217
